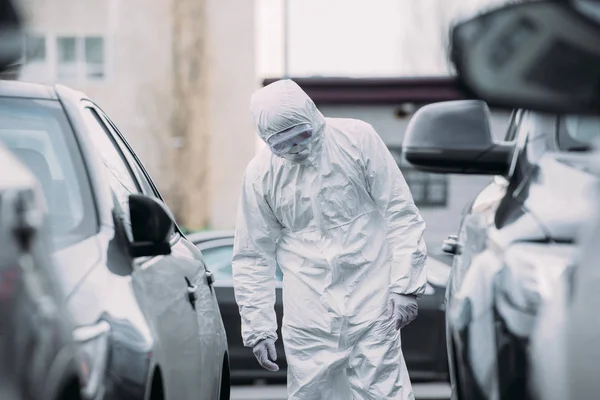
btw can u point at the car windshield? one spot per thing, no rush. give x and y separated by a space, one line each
218 261
39 135
578 133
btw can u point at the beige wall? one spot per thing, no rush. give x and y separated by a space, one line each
136 92
233 79
144 98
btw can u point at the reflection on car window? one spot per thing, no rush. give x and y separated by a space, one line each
513 125
40 136
577 133
137 169
218 260
120 177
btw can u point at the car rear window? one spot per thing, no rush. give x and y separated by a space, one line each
39 134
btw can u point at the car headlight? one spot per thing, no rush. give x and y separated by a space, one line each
526 280
92 341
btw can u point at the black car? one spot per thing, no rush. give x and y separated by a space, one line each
38 354
423 341
541 194
144 312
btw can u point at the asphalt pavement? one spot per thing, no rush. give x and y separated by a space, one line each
423 391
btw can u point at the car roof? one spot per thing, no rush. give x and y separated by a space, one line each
205 236
27 90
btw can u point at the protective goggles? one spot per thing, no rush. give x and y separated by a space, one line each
281 143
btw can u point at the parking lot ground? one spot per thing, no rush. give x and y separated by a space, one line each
423 391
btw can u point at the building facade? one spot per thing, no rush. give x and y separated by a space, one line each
170 73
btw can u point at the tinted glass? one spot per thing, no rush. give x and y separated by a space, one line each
218 261
120 177
513 125
39 134
137 169
577 133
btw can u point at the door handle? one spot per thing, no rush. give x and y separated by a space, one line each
191 292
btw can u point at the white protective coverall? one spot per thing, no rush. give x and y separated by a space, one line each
344 229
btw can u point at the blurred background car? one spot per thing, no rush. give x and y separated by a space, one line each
146 320
38 356
423 341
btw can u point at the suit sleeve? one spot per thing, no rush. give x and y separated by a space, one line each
405 226
254 264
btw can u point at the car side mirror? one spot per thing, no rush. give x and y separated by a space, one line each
542 55
455 137
152 226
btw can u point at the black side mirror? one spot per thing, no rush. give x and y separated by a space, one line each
152 226
455 137
542 55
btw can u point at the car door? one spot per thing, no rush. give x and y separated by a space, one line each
160 283
218 254
198 285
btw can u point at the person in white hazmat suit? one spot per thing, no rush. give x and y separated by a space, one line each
326 200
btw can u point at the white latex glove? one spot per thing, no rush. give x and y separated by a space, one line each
265 353
402 308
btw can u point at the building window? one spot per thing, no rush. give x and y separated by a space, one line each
94 57
35 49
80 58
428 190
66 49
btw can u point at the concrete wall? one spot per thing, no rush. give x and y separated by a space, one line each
147 56
444 221
232 82
136 92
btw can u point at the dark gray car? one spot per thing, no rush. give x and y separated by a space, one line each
423 341
137 291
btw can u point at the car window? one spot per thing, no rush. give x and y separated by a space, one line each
147 187
513 125
39 134
218 261
120 177
520 137
577 133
